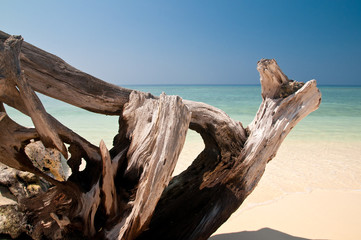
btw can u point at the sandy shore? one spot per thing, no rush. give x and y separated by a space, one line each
330 215
311 190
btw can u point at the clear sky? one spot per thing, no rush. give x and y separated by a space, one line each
194 42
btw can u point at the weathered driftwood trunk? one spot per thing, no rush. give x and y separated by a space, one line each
128 192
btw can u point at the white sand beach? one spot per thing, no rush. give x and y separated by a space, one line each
317 215
307 192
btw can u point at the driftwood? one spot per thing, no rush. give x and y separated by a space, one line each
128 192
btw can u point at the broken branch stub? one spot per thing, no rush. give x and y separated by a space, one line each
275 84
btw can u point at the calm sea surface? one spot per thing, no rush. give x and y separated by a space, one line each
338 118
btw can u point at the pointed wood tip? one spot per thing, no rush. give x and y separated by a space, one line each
101 144
104 152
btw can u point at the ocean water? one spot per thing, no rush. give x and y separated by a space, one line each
322 152
337 119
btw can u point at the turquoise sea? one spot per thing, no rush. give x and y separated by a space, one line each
337 119
322 152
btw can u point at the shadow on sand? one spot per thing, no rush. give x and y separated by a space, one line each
262 234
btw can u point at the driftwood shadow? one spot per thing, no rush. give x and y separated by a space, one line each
262 234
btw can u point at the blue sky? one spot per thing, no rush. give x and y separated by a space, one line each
195 42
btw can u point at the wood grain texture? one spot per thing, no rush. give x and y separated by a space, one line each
204 196
108 188
39 116
128 192
10 58
157 129
52 76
